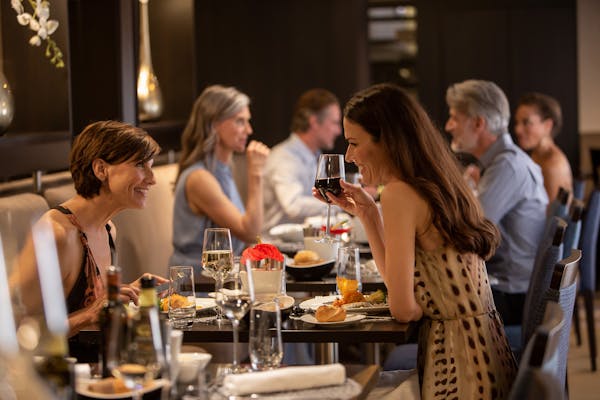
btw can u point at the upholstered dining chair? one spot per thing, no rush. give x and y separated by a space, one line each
587 267
558 206
534 381
579 188
573 231
548 255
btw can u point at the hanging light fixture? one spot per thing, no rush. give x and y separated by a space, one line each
150 103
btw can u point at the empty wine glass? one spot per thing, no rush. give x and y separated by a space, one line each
217 258
235 299
330 170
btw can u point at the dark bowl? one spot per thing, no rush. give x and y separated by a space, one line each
312 272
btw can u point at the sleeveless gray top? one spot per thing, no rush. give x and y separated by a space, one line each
188 227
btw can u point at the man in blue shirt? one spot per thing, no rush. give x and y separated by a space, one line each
509 185
292 164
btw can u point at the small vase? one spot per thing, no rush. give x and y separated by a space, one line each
150 103
7 105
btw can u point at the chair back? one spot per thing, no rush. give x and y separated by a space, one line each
579 188
589 239
558 207
549 253
144 237
536 378
17 215
573 231
563 291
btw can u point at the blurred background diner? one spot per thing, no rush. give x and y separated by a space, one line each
147 64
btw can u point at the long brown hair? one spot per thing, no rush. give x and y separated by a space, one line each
199 139
423 159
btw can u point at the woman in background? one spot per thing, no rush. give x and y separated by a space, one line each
429 243
205 193
111 165
538 120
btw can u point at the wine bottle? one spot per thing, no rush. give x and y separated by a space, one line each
54 368
146 343
113 322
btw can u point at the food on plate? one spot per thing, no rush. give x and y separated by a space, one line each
350 297
177 301
375 297
327 313
305 257
261 251
108 386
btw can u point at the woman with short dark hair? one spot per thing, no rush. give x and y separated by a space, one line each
111 165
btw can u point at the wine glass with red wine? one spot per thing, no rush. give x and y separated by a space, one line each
329 172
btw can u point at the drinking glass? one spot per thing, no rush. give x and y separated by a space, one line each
235 299
217 258
182 296
330 170
347 268
264 344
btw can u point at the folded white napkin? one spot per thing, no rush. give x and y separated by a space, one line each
284 379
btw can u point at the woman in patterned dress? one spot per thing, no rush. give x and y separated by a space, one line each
429 243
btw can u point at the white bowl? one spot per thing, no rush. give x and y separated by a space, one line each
326 249
191 364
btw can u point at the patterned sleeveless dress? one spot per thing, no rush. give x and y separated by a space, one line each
463 351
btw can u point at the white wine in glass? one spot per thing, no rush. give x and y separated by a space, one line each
217 258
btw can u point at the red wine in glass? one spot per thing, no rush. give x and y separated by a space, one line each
328 185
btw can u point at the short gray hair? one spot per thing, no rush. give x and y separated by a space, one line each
478 98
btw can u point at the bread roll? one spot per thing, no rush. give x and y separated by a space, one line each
306 257
327 313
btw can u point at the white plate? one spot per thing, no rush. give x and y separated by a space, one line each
290 263
350 319
204 303
365 307
288 232
83 384
313 304
285 301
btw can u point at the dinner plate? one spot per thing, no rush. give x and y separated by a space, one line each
313 304
350 320
82 389
367 308
205 303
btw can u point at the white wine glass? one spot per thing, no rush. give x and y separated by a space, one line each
330 170
217 258
235 295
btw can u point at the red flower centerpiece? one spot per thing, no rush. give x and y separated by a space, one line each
263 256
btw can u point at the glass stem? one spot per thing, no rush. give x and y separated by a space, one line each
235 324
327 225
218 284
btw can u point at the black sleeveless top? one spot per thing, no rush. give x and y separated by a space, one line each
84 292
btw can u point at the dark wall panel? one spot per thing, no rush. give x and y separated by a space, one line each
274 50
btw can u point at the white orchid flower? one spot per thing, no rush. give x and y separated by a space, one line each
24 18
35 40
17 6
51 26
43 10
34 25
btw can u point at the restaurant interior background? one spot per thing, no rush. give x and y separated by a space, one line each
275 49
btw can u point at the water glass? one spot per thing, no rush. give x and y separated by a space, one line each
265 345
347 268
182 296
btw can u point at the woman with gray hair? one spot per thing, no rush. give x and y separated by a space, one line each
205 193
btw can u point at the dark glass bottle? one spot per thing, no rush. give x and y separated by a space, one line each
55 369
113 322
